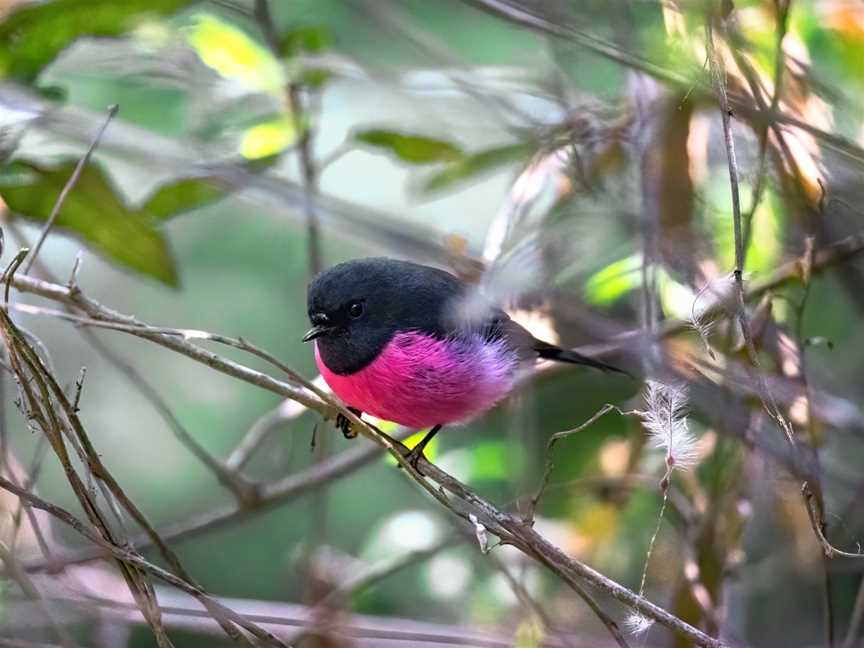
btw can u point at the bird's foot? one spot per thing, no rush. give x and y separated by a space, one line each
344 424
414 456
416 453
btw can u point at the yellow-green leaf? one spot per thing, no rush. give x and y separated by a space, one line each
268 139
608 285
766 239
235 55
430 451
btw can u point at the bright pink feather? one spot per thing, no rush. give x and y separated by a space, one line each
419 381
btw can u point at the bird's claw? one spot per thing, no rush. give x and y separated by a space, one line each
414 456
344 424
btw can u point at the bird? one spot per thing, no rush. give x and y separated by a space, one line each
416 345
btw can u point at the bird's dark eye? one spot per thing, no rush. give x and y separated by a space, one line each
355 309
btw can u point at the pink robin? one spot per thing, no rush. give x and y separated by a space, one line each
411 344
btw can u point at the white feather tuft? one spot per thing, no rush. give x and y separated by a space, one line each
638 624
665 419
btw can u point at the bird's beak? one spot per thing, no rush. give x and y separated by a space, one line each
315 332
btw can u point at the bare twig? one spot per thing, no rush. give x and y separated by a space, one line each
32 477
243 491
176 342
272 495
257 434
76 173
364 579
531 16
264 427
9 273
29 589
528 601
516 532
811 490
234 483
782 9
368 631
510 529
550 465
126 556
40 395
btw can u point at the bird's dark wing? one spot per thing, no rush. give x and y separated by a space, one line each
465 310
551 352
500 326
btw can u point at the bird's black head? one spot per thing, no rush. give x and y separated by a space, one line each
356 307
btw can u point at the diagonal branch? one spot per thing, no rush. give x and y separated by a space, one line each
126 556
448 491
73 179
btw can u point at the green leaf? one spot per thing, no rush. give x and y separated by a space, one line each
33 34
314 77
491 460
414 149
473 166
767 227
309 38
94 212
182 196
608 285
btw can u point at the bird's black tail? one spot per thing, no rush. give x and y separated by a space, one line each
552 352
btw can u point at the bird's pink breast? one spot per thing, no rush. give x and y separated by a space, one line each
419 381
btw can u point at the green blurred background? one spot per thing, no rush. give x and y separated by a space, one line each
434 109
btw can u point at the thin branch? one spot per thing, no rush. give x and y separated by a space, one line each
510 529
782 8
260 431
9 273
526 15
70 183
365 578
176 343
38 404
126 556
550 465
527 600
811 491
146 331
308 167
29 589
32 477
180 612
272 495
242 490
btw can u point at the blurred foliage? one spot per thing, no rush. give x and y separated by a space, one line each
95 213
466 168
33 34
414 149
585 180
